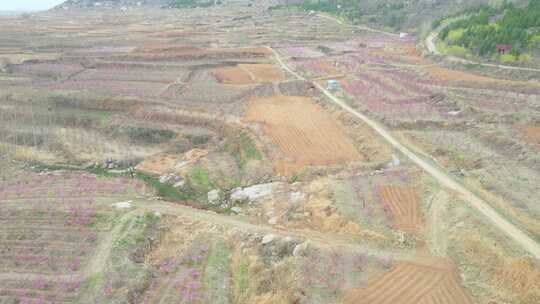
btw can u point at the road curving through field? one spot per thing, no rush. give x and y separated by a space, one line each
520 237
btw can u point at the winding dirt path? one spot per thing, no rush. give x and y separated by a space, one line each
524 240
103 252
316 238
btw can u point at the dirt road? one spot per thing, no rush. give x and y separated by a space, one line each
526 242
319 239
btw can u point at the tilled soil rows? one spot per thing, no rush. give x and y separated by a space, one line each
411 283
403 204
303 131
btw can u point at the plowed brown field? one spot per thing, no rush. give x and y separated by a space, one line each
530 134
404 205
248 74
304 132
412 283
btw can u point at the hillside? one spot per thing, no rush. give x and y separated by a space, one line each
149 3
481 32
111 3
412 16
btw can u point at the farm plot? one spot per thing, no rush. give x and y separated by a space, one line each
402 205
303 131
170 52
413 283
138 74
359 199
248 74
317 67
112 88
204 88
191 267
397 95
47 236
531 134
472 80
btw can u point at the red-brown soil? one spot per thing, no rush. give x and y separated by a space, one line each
248 74
529 133
413 283
403 203
305 133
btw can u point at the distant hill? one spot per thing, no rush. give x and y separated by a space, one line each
404 15
13 13
111 3
158 3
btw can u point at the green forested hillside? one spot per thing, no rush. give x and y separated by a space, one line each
508 24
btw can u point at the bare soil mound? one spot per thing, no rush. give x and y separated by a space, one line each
164 163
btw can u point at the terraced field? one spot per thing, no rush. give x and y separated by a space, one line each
152 155
47 236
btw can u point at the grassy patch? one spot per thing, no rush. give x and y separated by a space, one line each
126 275
166 191
242 279
141 135
249 150
198 141
200 178
217 273
243 149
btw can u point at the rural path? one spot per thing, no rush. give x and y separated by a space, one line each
102 254
316 238
525 241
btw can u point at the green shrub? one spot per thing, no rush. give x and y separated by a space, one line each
507 58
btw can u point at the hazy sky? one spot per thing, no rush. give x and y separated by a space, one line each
17 5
